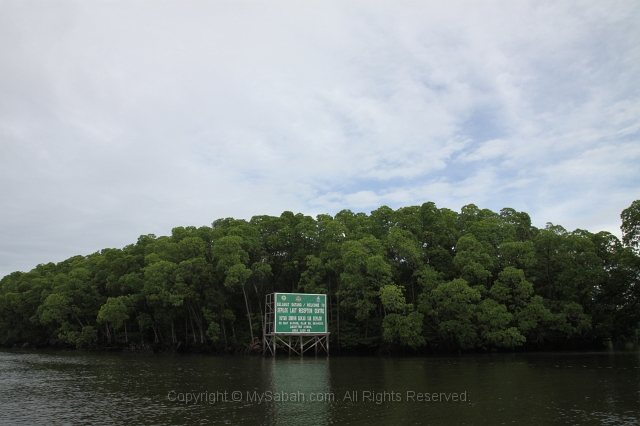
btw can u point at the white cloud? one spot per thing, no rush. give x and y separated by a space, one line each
118 118
488 150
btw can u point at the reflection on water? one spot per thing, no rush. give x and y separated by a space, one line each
300 386
74 387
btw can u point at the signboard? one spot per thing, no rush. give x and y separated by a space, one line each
300 313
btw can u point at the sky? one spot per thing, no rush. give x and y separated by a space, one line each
124 118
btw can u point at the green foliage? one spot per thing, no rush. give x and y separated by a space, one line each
84 337
115 311
512 288
365 271
55 308
213 331
631 225
87 337
420 277
405 330
392 299
494 322
451 310
473 260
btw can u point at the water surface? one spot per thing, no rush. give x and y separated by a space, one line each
78 387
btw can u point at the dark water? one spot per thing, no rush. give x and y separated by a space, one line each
81 388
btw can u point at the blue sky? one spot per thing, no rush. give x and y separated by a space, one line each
125 118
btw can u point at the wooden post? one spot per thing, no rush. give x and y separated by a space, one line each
327 340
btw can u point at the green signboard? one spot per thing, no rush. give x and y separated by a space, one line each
301 313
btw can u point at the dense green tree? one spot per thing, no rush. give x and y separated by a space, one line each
417 277
631 225
450 310
114 313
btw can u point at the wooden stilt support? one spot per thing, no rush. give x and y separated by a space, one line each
271 340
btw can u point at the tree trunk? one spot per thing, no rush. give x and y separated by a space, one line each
233 329
224 335
338 329
224 330
161 336
80 322
192 327
141 333
246 303
198 322
413 294
260 306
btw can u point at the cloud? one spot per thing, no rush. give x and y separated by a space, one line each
488 150
119 119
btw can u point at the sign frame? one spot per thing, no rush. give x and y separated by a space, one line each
305 313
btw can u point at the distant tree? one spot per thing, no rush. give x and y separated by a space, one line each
414 277
631 225
115 312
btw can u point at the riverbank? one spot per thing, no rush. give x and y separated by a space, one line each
256 349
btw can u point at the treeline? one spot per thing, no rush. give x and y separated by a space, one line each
417 278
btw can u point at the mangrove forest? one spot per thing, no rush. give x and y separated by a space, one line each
418 279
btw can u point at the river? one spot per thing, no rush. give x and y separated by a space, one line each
599 388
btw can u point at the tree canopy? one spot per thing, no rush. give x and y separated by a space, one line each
418 278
